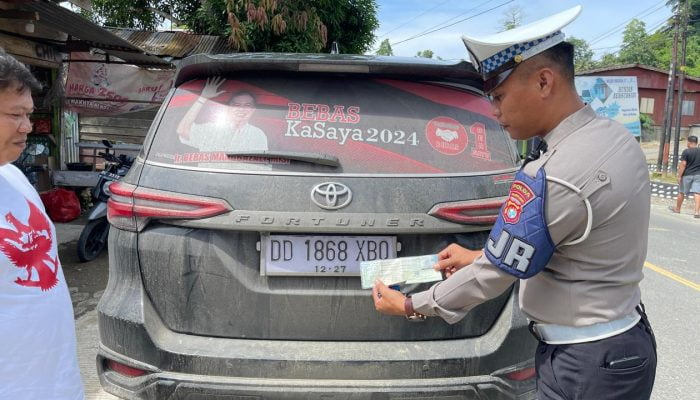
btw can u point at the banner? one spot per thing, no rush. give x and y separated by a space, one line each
98 88
614 97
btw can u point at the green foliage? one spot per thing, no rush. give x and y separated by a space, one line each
583 55
651 49
385 48
512 18
425 53
647 123
256 25
127 14
636 46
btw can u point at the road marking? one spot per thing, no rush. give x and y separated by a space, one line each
671 275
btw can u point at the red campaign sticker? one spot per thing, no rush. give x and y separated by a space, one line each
446 135
480 150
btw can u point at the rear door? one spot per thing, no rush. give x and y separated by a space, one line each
321 172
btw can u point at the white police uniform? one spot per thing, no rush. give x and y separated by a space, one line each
597 213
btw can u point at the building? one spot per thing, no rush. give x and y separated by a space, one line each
652 83
42 34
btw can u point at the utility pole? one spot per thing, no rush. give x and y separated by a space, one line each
665 138
681 79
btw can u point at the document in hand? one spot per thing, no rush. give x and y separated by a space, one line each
404 270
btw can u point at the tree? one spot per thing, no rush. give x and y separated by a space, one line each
255 25
636 46
512 18
654 49
583 55
385 49
647 124
607 60
425 53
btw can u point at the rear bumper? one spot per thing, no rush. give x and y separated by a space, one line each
182 366
182 386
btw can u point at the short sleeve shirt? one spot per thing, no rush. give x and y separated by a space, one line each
691 157
38 358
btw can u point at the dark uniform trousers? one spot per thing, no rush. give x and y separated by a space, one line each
583 371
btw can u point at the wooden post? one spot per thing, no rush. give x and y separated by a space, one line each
681 79
662 162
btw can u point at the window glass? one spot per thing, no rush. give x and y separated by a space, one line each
688 107
376 126
646 105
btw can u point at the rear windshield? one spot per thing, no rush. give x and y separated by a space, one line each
330 124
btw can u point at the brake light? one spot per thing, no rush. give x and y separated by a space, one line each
522 374
130 207
469 212
125 370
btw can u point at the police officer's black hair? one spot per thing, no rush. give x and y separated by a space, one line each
14 74
562 55
692 139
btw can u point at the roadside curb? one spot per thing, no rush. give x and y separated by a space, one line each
664 190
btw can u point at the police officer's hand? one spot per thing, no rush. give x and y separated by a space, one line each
454 257
387 300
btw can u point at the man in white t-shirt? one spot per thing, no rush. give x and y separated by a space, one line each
38 357
229 130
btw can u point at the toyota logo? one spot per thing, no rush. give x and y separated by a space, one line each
331 195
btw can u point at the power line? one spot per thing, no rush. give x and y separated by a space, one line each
413 19
646 12
453 17
452 24
655 26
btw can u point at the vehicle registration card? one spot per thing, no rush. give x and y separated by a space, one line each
404 270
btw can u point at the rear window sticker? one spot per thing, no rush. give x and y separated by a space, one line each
446 135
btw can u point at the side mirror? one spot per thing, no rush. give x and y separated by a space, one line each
107 143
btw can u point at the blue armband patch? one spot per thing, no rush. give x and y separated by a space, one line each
519 242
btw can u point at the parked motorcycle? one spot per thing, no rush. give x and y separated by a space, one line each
31 171
93 238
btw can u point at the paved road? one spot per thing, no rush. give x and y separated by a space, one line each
670 290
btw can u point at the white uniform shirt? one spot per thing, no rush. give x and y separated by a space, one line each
38 358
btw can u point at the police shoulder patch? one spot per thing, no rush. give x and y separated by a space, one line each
519 196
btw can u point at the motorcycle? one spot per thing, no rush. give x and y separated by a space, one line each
31 171
93 238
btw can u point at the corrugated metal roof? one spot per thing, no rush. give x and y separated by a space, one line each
173 44
65 20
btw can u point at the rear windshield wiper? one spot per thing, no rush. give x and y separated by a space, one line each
314 158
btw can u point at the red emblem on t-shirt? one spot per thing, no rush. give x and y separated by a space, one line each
446 135
28 246
520 195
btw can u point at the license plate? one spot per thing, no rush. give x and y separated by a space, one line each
322 255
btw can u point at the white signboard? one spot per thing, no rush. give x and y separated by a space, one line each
614 97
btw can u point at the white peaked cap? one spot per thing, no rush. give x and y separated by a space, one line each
494 54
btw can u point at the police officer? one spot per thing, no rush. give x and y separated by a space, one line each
573 230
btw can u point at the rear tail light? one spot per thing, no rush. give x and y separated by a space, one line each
521 374
130 207
123 369
469 212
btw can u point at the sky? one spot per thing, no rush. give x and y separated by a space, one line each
601 22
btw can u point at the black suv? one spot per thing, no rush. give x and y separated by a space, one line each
263 183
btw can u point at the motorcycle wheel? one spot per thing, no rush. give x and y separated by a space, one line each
93 239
